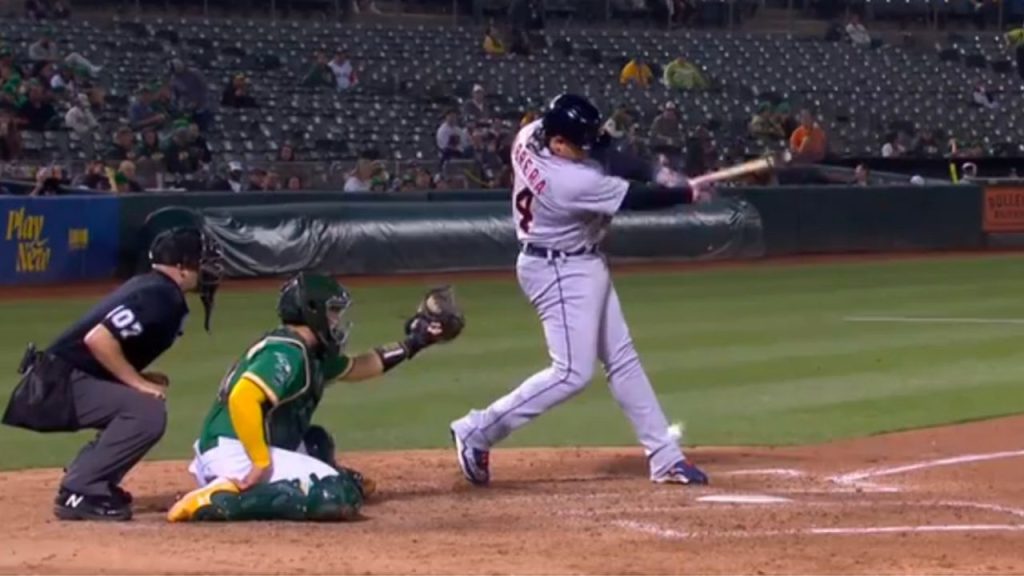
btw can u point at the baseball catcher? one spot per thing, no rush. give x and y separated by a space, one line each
258 457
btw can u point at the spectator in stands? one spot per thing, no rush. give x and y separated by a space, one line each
423 180
857 33
234 181
123 147
149 149
475 109
618 126
286 153
319 73
861 175
37 113
488 163
808 143
682 12
367 6
62 81
766 124
178 153
926 145
60 11
46 50
785 119
80 120
198 145
94 177
141 112
1015 42
366 174
190 94
983 97
294 183
10 137
236 94
10 77
344 73
895 145
493 46
665 129
452 139
272 181
48 181
680 74
124 178
636 71
36 9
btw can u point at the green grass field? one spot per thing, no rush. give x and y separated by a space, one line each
759 355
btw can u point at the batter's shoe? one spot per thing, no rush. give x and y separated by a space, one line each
73 506
682 472
475 463
190 504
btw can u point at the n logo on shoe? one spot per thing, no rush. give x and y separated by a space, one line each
74 501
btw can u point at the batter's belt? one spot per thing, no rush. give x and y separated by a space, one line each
549 253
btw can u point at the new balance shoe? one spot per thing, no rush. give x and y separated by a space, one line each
682 472
73 506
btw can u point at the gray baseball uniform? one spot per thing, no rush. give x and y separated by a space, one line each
562 210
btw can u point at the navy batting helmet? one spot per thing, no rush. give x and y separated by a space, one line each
574 118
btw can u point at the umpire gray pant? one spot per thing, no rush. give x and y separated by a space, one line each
129 424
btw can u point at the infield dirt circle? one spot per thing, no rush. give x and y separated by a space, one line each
940 500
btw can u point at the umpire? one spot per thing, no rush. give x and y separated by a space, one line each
90 377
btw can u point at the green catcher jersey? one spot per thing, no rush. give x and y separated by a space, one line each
293 381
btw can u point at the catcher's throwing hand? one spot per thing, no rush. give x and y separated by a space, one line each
438 319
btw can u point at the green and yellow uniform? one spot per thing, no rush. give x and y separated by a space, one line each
292 380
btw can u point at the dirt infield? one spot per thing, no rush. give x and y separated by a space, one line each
943 500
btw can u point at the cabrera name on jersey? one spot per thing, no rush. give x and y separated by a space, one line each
558 203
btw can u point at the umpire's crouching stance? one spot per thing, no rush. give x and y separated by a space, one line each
90 376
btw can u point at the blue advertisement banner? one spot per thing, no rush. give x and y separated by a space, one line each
58 239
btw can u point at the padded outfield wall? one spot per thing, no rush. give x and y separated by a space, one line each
73 238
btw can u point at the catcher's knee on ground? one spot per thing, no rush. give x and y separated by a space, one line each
319 444
330 499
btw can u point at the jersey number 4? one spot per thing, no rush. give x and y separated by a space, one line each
524 206
124 320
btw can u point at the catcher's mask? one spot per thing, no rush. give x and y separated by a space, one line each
192 249
318 302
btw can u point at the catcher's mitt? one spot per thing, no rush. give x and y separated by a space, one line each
438 318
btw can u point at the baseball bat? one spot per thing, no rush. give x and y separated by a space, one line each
749 167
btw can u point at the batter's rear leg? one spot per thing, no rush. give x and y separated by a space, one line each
632 390
569 296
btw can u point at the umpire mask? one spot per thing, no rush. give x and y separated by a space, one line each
190 248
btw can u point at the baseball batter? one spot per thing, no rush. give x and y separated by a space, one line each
258 457
563 203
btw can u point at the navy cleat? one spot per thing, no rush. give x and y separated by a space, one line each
475 463
682 472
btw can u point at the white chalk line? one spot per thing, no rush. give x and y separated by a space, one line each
670 534
858 480
853 478
785 472
932 320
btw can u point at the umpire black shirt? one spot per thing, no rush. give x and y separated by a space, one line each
146 315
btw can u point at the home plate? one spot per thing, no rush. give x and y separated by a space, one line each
743 499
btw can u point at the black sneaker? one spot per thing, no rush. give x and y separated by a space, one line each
72 506
121 495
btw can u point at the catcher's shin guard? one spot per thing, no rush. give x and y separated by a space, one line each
331 499
320 445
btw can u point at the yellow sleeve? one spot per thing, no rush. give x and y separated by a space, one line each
628 71
245 405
